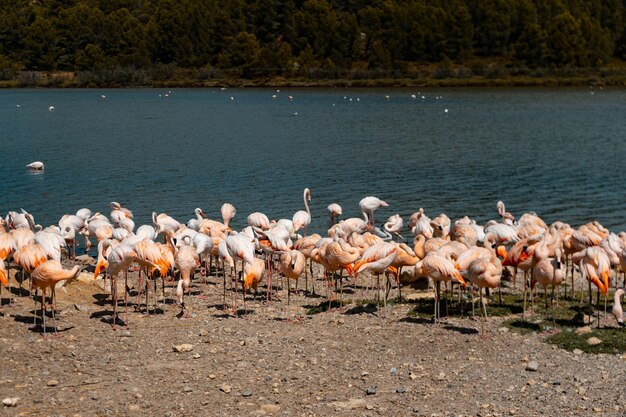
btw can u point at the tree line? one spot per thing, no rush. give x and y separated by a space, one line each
312 38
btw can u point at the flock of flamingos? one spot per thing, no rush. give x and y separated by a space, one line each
459 254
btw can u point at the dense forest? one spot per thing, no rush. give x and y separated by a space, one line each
311 39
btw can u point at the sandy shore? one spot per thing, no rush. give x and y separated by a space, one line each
354 360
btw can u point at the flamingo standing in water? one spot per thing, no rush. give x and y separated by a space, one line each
45 277
303 218
334 211
36 166
369 205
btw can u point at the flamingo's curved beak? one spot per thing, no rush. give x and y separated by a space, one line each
102 264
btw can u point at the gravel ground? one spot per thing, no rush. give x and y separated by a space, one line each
276 360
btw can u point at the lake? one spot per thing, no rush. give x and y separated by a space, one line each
558 152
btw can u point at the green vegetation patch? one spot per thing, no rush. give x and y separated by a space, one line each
613 340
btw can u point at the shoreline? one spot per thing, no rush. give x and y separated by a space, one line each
66 80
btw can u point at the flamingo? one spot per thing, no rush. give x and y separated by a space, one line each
394 225
4 279
259 220
419 224
334 211
406 257
36 166
303 218
195 223
228 212
231 249
70 225
115 258
252 276
45 277
485 272
438 269
441 226
146 231
339 255
369 205
306 246
187 260
547 271
84 213
150 258
618 313
503 233
52 243
595 266
165 223
292 264
20 220
377 259
118 212
507 217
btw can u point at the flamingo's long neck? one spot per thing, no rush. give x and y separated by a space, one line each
306 204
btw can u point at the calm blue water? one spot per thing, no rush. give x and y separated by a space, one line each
558 152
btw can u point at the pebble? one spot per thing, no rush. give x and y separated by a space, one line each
412 376
593 341
246 394
185 347
503 329
400 390
441 376
393 371
196 356
583 330
212 376
533 366
270 408
52 383
203 332
577 352
81 307
133 407
10 401
371 390
225 388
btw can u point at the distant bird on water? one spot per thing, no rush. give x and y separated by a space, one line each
36 166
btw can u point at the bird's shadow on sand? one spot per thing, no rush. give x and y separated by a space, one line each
369 308
229 315
37 328
450 327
